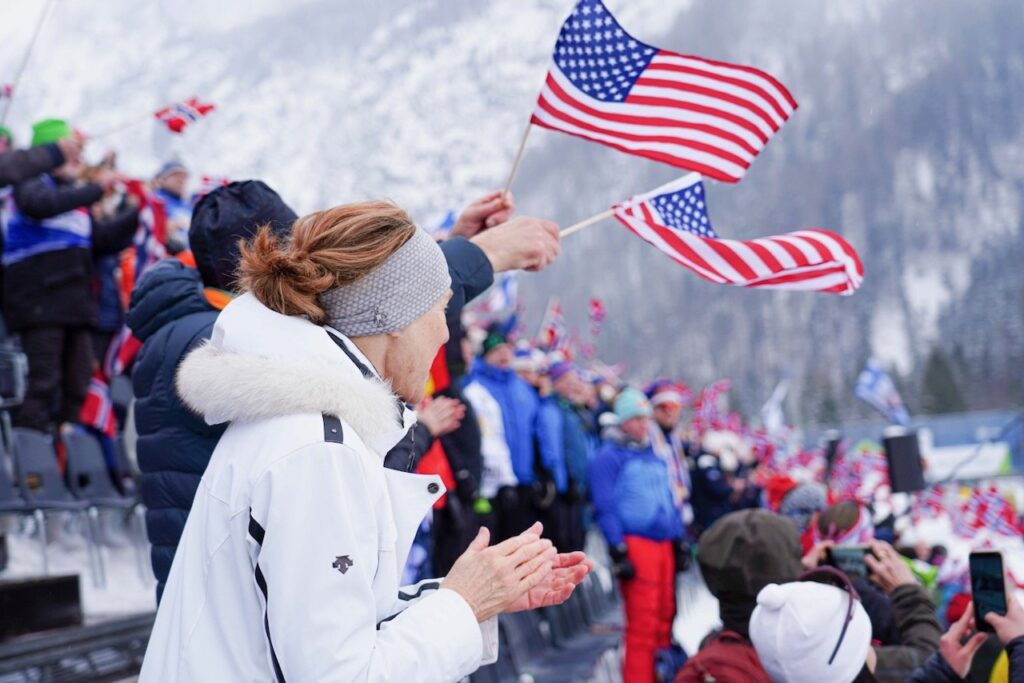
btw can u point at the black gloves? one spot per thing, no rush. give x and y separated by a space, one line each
683 556
621 566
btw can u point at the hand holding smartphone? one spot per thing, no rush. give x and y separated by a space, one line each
988 587
848 559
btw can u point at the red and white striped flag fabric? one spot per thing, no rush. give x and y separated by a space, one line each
674 219
706 116
177 116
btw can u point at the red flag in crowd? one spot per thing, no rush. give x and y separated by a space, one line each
707 414
6 91
552 335
209 183
177 116
606 86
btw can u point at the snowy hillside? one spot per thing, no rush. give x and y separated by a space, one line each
908 141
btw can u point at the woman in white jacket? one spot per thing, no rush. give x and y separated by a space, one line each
288 567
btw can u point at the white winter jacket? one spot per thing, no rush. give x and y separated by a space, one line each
288 567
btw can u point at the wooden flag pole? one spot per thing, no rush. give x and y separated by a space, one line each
576 227
519 157
24 61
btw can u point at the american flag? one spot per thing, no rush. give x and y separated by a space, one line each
606 86
674 218
177 116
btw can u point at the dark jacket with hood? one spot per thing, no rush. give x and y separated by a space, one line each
171 316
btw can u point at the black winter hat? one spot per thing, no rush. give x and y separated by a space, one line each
226 215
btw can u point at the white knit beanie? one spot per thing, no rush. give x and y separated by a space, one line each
795 628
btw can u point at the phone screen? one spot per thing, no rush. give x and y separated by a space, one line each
987 587
849 559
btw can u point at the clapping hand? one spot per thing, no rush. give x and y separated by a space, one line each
568 571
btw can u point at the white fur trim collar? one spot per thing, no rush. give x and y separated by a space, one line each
228 386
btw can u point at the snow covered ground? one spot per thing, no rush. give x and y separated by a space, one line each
130 587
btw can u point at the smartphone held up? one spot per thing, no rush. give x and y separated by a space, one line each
988 586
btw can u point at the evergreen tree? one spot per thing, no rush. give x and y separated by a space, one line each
828 408
939 390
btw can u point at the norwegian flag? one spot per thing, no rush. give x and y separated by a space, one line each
596 315
606 86
209 183
151 234
553 334
674 218
929 504
997 515
179 115
968 520
97 408
707 414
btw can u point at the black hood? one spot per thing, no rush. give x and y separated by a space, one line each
170 290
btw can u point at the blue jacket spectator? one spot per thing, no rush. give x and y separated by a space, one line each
630 489
518 401
578 447
551 441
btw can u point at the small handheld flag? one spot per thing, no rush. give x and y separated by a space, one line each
876 388
606 86
209 183
179 115
674 218
6 91
553 334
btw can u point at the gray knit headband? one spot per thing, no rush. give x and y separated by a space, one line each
394 294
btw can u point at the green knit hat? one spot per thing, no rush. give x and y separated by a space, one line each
50 130
6 133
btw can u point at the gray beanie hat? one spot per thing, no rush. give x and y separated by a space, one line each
394 294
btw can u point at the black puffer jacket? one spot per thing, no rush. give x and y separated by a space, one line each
171 316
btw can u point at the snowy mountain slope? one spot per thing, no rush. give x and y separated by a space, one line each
908 140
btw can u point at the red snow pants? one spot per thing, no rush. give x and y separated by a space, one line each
650 601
